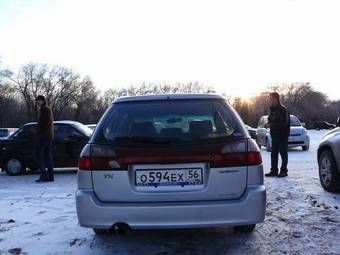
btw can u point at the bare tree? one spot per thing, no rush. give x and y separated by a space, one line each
111 94
60 85
74 97
86 101
8 105
155 88
242 107
301 99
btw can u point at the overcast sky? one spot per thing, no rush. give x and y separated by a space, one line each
238 46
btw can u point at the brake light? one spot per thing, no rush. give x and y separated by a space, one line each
97 157
254 154
103 157
84 161
245 153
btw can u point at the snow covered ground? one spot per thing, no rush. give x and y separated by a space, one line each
301 219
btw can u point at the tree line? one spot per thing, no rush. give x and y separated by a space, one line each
69 95
75 97
301 99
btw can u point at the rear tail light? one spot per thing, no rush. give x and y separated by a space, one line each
97 157
245 153
84 161
103 157
254 154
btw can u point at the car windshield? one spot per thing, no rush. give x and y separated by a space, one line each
162 122
294 122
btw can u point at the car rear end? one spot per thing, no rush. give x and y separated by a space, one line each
298 137
170 162
298 134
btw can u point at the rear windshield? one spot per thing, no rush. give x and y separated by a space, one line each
168 122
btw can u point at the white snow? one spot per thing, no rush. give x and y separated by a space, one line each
301 218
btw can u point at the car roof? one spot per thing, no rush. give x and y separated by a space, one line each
168 97
71 122
266 116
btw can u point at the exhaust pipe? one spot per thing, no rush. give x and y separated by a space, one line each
121 228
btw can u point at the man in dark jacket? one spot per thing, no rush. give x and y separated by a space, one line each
279 124
44 141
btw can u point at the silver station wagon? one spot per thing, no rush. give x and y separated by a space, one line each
170 161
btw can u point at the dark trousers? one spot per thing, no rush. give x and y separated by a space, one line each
44 158
279 145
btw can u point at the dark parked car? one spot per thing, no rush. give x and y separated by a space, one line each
17 152
323 125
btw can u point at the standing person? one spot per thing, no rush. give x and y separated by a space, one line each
45 135
279 124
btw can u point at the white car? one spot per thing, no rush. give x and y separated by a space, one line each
298 134
329 160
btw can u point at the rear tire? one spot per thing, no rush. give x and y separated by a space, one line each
245 228
103 231
14 166
328 172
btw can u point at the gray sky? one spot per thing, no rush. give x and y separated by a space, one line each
238 46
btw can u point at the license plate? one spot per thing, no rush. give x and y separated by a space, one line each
169 177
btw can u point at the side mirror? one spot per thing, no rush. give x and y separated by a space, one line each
338 122
303 124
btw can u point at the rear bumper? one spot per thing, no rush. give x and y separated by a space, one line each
303 140
297 144
250 209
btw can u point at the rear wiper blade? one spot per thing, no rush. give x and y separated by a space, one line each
144 139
